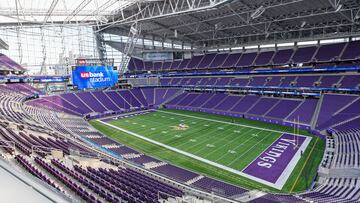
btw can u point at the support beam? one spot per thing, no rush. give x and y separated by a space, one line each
3 45
50 11
144 11
80 7
245 13
263 23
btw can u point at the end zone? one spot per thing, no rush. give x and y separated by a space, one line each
274 166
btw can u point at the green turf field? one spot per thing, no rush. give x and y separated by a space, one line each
232 142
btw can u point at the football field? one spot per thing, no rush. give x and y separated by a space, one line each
229 144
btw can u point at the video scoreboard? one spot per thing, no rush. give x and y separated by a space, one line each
90 73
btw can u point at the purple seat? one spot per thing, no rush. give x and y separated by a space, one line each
194 62
306 81
351 51
329 52
246 60
282 56
304 54
157 66
218 60
166 65
329 81
181 66
148 65
206 61
245 103
175 65
138 64
231 60
264 58
261 107
350 81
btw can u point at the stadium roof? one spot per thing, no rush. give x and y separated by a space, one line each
48 12
205 24
220 23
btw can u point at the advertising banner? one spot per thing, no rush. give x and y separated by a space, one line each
94 76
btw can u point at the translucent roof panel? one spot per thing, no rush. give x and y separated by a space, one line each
50 11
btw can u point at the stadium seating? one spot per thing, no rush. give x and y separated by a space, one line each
251 105
347 150
333 113
286 81
35 171
335 190
8 64
350 52
99 102
325 53
32 147
274 198
79 126
41 145
336 112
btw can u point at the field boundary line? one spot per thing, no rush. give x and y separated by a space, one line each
229 123
302 168
226 168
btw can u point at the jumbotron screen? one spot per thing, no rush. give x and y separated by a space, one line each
88 77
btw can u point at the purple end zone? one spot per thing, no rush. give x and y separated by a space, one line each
273 161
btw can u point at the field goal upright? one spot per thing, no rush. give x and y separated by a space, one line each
131 41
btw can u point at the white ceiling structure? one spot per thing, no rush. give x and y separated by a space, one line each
48 12
203 24
220 23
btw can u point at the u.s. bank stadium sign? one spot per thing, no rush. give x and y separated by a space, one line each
94 76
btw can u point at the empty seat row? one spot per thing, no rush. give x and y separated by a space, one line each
322 53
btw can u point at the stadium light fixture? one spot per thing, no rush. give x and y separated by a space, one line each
217 25
303 24
357 16
336 4
338 8
133 30
258 12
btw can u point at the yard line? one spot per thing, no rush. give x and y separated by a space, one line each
214 143
241 136
191 144
171 123
208 119
198 137
242 144
160 127
205 135
249 149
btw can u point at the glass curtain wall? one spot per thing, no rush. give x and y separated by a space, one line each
54 47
